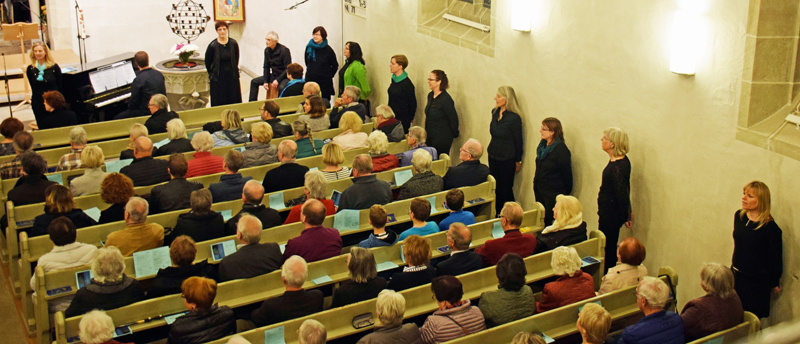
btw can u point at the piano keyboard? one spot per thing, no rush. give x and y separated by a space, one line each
112 100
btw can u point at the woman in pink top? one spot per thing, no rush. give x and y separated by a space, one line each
351 137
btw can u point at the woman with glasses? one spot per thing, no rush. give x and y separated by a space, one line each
553 174
44 75
505 148
614 200
441 118
321 62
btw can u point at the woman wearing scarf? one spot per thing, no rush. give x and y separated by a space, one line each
294 72
402 96
321 62
44 75
568 227
353 73
505 148
222 63
553 174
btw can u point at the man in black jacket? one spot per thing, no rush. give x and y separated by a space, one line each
289 174
176 193
470 171
252 193
144 170
252 259
276 58
461 260
348 102
157 107
295 302
148 82
269 113
367 189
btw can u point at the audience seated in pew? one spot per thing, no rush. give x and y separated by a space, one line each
307 145
23 141
260 151
89 183
203 163
367 189
137 130
424 181
658 326
390 308
455 318
629 269
455 203
720 309
110 287
311 89
116 189
232 132
59 202
572 285
332 157
315 114
314 242
470 171
56 112
232 182
252 194
351 137
380 236
96 327
201 223
311 332
178 140
72 160
349 102
416 140
417 253
252 258
378 151
386 123
269 113
512 241
66 254
31 187
138 235
568 227
144 170
289 174
419 210
295 302
206 321
8 128
594 322
528 338
364 283
315 187
159 114
461 260
513 300
174 195
182 253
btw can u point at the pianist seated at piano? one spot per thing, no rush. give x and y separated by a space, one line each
178 140
137 130
148 82
56 113
232 132
160 114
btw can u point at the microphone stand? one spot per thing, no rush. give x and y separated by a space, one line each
8 92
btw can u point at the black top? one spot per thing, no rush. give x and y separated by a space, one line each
148 82
51 80
758 253
168 280
203 326
441 119
294 89
280 128
554 172
285 176
365 192
403 101
251 261
114 213
406 280
506 143
105 296
29 189
322 69
180 145
467 173
126 154
460 263
269 217
615 190
57 119
157 123
222 58
77 216
174 195
337 112
200 227
275 62
351 292
146 171
290 305
564 237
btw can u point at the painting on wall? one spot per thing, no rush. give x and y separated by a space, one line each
229 10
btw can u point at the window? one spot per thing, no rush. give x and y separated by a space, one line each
465 23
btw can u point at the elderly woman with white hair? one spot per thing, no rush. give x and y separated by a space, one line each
388 124
572 285
315 187
424 181
96 327
614 200
137 130
110 287
312 332
178 140
260 151
658 325
378 151
351 137
568 228
89 183
390 308
232 132
718 310
204 162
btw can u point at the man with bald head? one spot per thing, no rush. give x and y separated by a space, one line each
461 260
289 174
138 235
144 170
253 258
315 242
470 171
367 190
252 194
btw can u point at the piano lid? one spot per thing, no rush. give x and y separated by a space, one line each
104 62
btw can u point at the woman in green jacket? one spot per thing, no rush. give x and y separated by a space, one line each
353 73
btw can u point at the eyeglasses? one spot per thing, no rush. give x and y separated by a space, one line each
546 129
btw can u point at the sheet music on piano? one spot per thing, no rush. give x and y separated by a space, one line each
112 76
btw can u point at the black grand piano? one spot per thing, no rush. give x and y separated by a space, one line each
98 91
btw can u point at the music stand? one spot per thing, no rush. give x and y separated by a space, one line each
22 32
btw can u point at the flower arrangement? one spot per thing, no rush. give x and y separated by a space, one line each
184 51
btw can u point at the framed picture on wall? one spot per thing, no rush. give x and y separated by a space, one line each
229 10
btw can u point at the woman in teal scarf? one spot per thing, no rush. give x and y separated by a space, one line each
321 63
44 75
553 175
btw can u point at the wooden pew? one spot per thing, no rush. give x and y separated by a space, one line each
243 292
747 329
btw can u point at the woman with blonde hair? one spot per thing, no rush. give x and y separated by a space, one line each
206 321
364 283
417 251
332 157
232 132
315 114
572 285
44 75
178 140
379 152
137 130
614 200
59 202
351 137
260 151
89 183
204 162
720 309
307 145
594 322
110 288
568 227
527 338
96 327
505 148
315 187
757 250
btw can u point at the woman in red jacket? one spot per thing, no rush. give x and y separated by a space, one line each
572 285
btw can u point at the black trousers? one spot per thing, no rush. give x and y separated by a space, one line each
548 200
609 224
503 172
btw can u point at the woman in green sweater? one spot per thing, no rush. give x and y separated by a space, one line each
353 73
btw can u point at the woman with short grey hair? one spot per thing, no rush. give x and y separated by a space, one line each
718 310
390 309
96 327
379 151
178 139
110 288
364 283
204 162
424 181
315 187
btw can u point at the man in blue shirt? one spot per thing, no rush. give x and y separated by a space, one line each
380 236
455 201
420 210
658 326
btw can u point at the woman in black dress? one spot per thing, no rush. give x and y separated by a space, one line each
614 200
44 75
222 63
56 114
321 63
553 175
505 148
402 96
757 251
441 118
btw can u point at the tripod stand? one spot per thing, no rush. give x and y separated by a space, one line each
21 31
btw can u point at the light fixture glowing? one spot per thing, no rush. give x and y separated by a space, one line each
685 42
521 15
